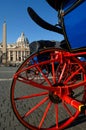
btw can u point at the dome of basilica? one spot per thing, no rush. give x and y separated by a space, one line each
22 39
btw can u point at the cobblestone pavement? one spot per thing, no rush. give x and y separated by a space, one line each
8 120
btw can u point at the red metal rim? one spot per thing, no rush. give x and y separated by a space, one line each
60 75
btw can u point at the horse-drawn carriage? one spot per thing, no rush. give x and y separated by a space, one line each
49 89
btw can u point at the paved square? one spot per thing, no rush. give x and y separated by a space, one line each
8 120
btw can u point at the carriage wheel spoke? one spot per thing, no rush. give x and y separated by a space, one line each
61 75
34 84
31 96
74 86
46 79
35 107
56 112
72 75
45 114
53 70
67 109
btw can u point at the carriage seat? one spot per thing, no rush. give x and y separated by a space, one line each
36 46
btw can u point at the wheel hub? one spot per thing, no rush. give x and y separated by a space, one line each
54 98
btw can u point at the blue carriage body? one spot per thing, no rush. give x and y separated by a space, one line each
74 22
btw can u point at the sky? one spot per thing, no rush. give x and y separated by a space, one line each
14 12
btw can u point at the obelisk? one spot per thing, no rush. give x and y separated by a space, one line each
4 42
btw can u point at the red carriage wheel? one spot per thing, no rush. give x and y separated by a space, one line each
47 94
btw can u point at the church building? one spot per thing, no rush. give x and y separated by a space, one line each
13 53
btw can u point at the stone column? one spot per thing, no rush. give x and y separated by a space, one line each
17 57
24 55
8 55
4 42
14 56
21 56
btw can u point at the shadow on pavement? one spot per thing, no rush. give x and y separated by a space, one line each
79 120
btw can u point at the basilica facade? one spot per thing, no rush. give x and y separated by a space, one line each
14 53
